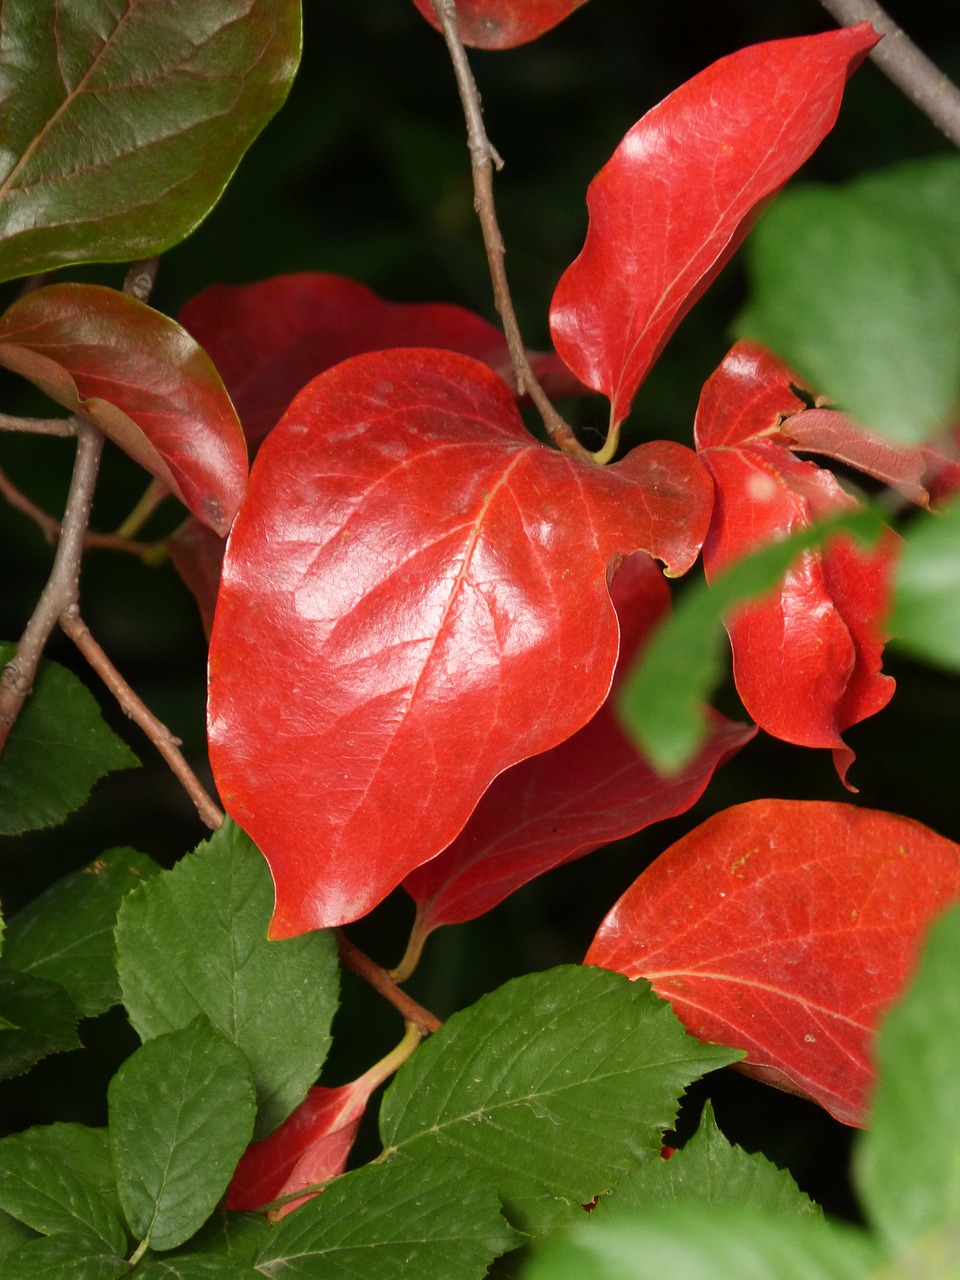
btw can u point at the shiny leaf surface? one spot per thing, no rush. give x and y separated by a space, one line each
503 24
415 588
787 928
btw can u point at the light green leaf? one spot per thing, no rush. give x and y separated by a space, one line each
58 1179
194 940
79 1257
181 1115
42 1017
554 1085
709 1170
66 935
122 127
434 1219
56 751
926 615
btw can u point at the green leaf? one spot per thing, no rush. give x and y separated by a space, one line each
80 1257
237 1235
275 1000
555 1085
58 1179
12 1234
44 1019
181 1115
709 1170
706 1242
122 127
662 705
858 288
66 935
56 751
193 1266
435 1219
907 1165
926 615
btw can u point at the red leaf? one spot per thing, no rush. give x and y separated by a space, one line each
270 338
680 193
503 24
787 928
562 804
196 553
806 659
834 435
144 382
414 589
311 1146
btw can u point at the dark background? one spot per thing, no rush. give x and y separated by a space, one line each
365 173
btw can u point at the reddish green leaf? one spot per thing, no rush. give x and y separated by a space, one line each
807 658
270 338
680 193
557 806
142 379
787 928
122 124
414 589
503 24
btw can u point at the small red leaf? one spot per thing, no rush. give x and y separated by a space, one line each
562 804
142 379
503 24
786 928
680 193
196 553
834 435
270 338
414 589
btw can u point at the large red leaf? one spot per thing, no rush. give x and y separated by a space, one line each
807 658
557 806
142 379
786 928
680 193
270 338
414 598
503 24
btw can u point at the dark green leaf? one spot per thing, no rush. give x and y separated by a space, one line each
43 1015
12 1234
434 1219
66 935
181 1115
191 1266
238 1235
121 127
58 1179
554 1085
194 940
926 615
79 1257
56 751
709 1170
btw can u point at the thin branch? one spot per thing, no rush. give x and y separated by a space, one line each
134 707
39 426
381 982
910 70
140 278
483 158
49 526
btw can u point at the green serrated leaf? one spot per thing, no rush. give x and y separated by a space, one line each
58 1179
926 615
194 940
42 1017
73 1255
195 1267
122 127
907 1165
181 1115
706 1242
554 1085
56 751
433 1218
66 935
709 1170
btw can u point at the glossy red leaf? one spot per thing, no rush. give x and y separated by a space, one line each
142 379
311 1146
557 806
270 338
786 928
681 191
806 659
503 24
415 589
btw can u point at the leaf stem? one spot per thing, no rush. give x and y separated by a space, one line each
901 61
415 944
382 982
39 426
148 502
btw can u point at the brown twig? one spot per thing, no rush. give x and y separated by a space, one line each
139 281
39 426
381 982
910 70
483 158
134 707
49 526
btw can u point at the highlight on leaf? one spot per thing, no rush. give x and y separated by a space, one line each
503 24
